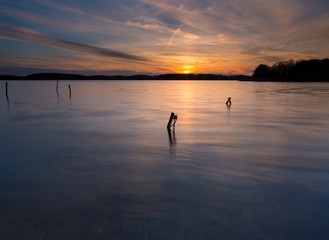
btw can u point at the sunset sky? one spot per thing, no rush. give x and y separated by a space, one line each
154 37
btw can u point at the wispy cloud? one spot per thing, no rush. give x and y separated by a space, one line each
146 26
22 34
226 39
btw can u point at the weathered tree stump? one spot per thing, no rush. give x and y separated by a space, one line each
172 120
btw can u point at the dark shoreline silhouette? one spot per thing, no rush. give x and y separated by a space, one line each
64 76
313 70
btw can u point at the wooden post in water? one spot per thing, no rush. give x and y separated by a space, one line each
57 87
228 102
7 92
172 118
70 90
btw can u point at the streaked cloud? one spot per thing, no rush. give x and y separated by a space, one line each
22 34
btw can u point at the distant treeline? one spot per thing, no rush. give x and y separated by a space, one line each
303 70
313 70
63 76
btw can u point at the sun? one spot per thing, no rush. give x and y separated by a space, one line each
186 69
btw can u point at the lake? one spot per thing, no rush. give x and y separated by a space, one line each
102 165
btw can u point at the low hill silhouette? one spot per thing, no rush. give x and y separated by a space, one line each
63 76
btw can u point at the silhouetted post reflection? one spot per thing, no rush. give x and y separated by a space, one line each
171 136
172 140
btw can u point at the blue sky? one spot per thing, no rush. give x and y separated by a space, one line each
148 36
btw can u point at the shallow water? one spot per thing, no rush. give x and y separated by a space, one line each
102 165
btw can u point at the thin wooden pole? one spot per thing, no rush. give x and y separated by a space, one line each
57 87
7 91
70 90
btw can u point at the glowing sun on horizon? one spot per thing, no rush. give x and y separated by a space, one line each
186 69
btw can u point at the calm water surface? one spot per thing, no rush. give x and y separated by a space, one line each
102 165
